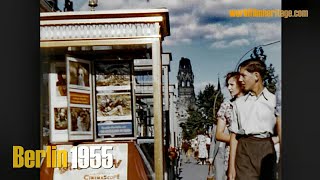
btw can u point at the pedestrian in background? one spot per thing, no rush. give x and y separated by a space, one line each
194 144
203 154
189 152
185 147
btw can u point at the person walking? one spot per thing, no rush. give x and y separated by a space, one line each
189 152
220 149
185 147
252 153
203 154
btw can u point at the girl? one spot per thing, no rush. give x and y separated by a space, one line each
220 151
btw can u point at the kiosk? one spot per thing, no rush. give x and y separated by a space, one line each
88 92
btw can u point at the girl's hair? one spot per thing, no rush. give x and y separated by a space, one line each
236 75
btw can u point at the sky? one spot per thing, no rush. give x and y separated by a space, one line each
202 31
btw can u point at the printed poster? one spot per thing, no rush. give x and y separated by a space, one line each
80 116
58 103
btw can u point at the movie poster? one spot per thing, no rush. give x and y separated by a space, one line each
80 116
80 120
58 103
61 82
114 103
61 118
112 76
114 106
79 73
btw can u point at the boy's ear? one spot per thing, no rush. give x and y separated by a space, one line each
256 76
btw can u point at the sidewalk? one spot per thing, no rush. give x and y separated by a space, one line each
192 171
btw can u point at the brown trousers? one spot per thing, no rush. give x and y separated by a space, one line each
255 159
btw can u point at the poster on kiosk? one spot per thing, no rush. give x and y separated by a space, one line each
114 102
58 103
80 116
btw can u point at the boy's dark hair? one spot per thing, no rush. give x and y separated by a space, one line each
254 65
233 74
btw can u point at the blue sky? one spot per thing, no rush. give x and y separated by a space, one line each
202 31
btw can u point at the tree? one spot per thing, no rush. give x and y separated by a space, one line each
194 122
270 79
201 118
205 102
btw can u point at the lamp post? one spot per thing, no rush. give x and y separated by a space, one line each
216 97
253 49
93 4
214 104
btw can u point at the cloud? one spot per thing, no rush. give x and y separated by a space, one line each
173 42
234 43
206 7
239 42
257 33
263 32
219 44
208 21
221 7
223 31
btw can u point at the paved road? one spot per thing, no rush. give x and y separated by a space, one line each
192 171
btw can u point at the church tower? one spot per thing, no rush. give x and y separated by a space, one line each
185 79
186 95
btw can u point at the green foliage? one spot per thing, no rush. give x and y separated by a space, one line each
270 79
205 103
202 117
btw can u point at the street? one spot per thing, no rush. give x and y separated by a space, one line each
191 170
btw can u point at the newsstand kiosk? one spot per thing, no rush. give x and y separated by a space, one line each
88 89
